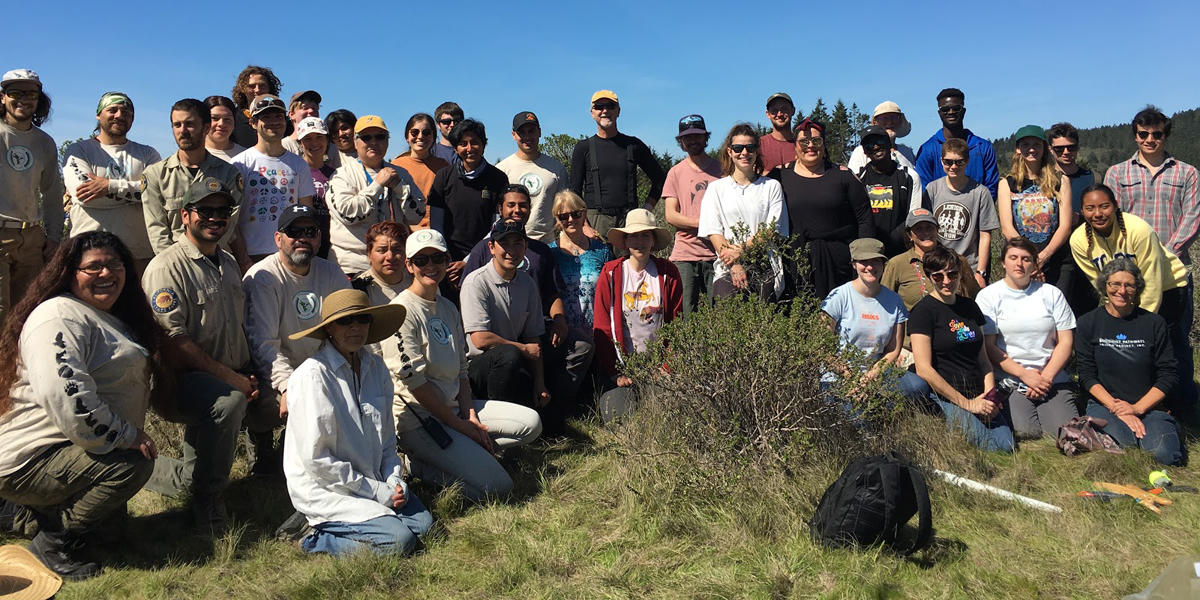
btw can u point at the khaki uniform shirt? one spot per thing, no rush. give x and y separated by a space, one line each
164 185
192 296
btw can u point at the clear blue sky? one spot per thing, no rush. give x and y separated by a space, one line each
1018 62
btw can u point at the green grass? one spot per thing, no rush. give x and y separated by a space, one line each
592 518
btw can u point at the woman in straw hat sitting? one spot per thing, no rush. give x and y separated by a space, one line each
339 456
635 296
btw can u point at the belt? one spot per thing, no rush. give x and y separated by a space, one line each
11 224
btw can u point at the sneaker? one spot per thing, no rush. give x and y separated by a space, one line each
294 529
60 552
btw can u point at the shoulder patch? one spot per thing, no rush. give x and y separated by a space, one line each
240 183
142 183
164 300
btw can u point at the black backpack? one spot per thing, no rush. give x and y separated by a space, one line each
869 503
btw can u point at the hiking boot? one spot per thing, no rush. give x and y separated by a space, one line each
268 458
210 516
60 552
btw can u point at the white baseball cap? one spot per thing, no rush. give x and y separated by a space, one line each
16 75
422 239
310 125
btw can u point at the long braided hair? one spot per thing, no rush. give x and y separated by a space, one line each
1091 235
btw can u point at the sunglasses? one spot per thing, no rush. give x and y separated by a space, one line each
950 109
941 276
420 132
814 142
22 94
421 260
603 106
1065 148
355 319
1143 134
94 269
875 145
448 121
571 216
378 137
740 148
295 232
954 162
212 212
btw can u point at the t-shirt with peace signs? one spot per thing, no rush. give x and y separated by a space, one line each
273 183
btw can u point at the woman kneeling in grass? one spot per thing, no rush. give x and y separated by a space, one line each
339 455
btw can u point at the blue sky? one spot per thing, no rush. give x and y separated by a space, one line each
1018 62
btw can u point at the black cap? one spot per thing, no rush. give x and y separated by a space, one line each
691 124
872 131
506 227
293 212
524 117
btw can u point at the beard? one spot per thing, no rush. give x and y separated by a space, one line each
299 257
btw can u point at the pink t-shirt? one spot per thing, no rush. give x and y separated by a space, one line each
687 183
775 152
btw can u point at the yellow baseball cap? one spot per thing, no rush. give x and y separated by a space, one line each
605 94
368 121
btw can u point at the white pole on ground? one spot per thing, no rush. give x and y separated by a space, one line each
983 487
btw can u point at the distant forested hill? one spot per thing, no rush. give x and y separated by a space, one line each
1101 147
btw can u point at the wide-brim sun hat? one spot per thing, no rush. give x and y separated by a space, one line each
24 577
639 219
888 106
386 318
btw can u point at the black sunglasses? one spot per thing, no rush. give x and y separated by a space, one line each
367 139
739 148
1064 148
420 132
448 121
363 319
954 162
212 212
951 108
295 231
570 216
603 106
1143 134
421 260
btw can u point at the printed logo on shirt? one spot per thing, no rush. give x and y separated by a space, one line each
1034 214
307 304
869 316
1100 260
164 300
962 331
19 158
881 198
439 331
952 219
534 182
1121 343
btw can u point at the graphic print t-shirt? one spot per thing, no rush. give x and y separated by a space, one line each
961 215
272 184
956 333
641 304
1034 214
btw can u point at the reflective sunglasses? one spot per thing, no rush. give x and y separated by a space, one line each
1143 134
950 109
954 162
212 212
94 269
740 148
362 319
378 137
570 216
421 260
295 231
814 142
941 276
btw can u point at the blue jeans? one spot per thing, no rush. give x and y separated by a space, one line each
996 435
1161 439
389 534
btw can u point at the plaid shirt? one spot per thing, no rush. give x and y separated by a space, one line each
1167 200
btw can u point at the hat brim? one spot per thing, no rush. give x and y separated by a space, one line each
692 131
868 256
616 236
386 320
24 577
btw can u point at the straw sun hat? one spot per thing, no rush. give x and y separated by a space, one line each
345 303
24 577
640 219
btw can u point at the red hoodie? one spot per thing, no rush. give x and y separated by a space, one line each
608 323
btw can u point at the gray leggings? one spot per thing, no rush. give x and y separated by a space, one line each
1032 419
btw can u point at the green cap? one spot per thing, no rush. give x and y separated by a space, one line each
208 186
1031 131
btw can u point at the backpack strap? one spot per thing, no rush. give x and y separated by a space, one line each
924 513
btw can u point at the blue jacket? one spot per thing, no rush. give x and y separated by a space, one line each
981 168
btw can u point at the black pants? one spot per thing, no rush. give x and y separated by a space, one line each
502 373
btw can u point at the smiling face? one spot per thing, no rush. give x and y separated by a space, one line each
527 137
343 137
1019 266
470 149
924 236
693 143
742 151
954 164
877 148
21 100
780 113
420 137
116 120
640 244
515 206
386 256
945 282
1031 150
890 121
1099 211
433 266
810 147
371 145
302 109
1151 139
299 241
869 271
951 112
102 288
222 124
314 144
605 113
1065 151
256 85
270 125
509 252
1121 290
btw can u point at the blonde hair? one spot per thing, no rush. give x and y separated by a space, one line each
565 201
1049 179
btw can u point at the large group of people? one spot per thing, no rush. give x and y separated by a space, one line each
368 319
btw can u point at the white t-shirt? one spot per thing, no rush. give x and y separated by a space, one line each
1026 322
726 204
641 306
226 155
273 183
544 177
864 322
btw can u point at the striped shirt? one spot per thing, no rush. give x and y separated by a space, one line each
1167 199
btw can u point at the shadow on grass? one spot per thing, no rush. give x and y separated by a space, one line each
940 551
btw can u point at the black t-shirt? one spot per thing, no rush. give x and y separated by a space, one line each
468 206
956 333
1127 356
616 176
889 194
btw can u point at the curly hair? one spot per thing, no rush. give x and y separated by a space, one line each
131 307
1121 265
239 87
40 114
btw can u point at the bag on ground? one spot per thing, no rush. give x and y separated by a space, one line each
870 503
1082 434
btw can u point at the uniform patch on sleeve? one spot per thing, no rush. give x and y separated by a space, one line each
164 300
142 184
241 184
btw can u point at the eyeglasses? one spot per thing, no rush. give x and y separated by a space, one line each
296 232
941 276
212 212
740 148
94 269
1143 134
814 142
420 132
421 260
954 162
570 216
603 106
353 319
1117 285
951 109
1064 148
22 94
448 121
378 137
